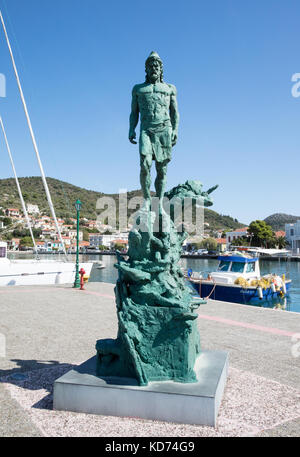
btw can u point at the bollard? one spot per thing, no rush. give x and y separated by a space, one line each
82 273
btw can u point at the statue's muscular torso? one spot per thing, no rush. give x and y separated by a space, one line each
153 102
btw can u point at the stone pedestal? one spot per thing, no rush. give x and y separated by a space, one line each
80 390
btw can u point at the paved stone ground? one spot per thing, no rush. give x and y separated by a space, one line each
46 327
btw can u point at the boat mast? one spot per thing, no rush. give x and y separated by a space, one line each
18 186
33 136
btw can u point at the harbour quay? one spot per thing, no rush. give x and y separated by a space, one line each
45 331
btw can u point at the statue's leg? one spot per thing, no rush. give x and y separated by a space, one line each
162 155
161 178
145 162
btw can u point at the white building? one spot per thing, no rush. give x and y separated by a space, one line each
12 212
238 233
33 209
97 239
73 234
292 233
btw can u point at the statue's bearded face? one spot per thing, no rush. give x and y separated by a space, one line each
153 70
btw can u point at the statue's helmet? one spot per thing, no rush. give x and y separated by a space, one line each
154 56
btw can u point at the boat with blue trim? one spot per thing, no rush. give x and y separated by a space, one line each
238 280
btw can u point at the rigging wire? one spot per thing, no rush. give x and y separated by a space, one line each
18 186
33 136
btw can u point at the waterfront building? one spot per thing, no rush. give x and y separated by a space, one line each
13 244
67 240
73 234
54 245
293 236
98 239
41 245
238 233
222 244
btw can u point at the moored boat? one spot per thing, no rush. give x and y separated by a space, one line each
37 272
238 280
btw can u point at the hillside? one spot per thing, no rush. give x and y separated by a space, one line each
278 220
64 196
218 221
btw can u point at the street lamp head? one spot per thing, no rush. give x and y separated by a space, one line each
78 205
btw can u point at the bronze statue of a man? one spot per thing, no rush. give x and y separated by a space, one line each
156 103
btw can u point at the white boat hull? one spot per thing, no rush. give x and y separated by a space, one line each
31 272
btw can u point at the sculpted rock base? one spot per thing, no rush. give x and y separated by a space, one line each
154 343
158 338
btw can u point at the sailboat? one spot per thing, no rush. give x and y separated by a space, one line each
33 271
37 272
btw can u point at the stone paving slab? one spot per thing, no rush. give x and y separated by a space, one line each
14 420
47 327
287 429
251 405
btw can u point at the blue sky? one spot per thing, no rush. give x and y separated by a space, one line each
232 62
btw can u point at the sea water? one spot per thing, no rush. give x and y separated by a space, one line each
289 268
110 274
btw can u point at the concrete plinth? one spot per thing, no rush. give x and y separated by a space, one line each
80 390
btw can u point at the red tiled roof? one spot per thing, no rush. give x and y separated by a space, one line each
84 243
244 229
221 240
280 233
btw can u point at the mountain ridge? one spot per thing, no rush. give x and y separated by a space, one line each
278 220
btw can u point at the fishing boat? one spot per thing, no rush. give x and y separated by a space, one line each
36 272
238 280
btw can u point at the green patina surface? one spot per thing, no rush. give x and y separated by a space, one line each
157 338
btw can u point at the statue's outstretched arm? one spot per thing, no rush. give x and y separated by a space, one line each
134 117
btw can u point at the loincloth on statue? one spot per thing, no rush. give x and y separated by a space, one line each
156 142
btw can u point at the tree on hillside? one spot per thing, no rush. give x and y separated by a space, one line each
21 233
85 235
26 242
209 243
261 234
7 236
7 221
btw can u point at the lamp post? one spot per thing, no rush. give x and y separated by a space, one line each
77 279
